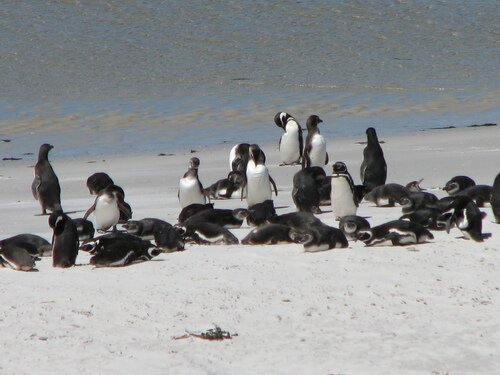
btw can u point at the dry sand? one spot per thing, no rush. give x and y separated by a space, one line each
420 309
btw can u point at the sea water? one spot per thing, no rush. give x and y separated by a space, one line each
116 76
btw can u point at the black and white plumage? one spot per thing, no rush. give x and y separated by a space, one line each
428 217
239 157
324 237
465 214
271 234
387 195
373 170
457 184
223 217
120 249
32 243
17 258
315 154
291 142
98 181
259 213
85 229
205 233
395 233
350 225
45 186
167 237
495 198
64 240
295 219
107 208
417 201
229 187
258 187
192 209
343 195
481 194
307 187
190 188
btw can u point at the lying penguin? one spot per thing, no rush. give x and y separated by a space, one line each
395 233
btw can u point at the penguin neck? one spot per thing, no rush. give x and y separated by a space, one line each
192 173
43 155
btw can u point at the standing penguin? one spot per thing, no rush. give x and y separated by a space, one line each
291 142
190 188
315 154
64 240
107 207
344 201
306 192
239 156
259 181
45 186
373 168
495 198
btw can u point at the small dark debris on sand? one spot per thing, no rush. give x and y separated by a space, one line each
6 140
213 334
364 142
163 154
454 127
9 159
27 153
193 151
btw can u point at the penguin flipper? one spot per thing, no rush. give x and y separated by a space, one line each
122 208
89 211
274 185
301 143
35 185
327 159
306 160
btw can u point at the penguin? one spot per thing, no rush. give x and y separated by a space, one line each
121 249
481 194
258 187
373 168
350 225
495 198
144 228
343 198
259 213
190 187
17 258
324 237
33 244
107 207
64 240
227 188
223 217
414 186
45 186
465 214
387 195
395 233
98 181
307 185
192 209
291 142
270 234
416 201
239 156
205 233
169 238
295 219
457 184
325 193
85 229
428 217
315 154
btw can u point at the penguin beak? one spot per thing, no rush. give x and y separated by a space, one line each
319 120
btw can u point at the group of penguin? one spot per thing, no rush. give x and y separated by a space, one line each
199 222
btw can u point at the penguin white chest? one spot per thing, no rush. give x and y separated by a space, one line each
318 151
189 192
106 212
258 184
290 145
342 197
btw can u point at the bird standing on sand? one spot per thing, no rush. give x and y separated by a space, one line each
190 188
45 186
315 154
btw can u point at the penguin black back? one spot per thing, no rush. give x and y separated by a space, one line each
45 186
495 198
373 169
64 240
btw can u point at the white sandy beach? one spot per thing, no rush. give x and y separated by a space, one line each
420 309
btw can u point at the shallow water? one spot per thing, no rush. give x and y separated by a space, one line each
111 76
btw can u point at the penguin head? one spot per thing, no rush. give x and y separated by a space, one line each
414 186
44 150
281 118
237 178
349 227
194 163
57 220
452 187
154 252
312 122
256 154
364 235
371 134
300 236
240 213
339 167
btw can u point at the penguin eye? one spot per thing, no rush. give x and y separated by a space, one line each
153 252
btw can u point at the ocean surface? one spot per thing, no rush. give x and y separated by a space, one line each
164 76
